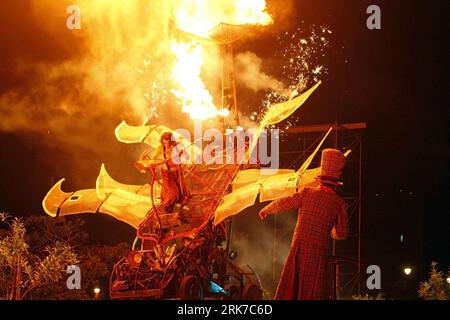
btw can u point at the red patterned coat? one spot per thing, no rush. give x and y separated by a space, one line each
307 274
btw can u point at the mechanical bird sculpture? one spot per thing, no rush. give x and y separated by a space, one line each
186 253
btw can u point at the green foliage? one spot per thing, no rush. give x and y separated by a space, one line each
96 263
21 272
379 296
43 231
46 246
437 287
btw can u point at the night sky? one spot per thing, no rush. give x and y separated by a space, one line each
395 79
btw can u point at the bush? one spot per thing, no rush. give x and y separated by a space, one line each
379 296
37 251
437 287
21 271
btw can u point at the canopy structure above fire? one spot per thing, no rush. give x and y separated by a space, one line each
225 33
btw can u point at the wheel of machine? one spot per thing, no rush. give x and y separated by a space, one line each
235 293
191 288
251 292
134 258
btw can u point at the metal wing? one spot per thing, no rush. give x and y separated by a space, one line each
249 183
151 136
126 203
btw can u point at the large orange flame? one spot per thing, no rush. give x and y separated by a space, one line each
195 98
199 17
118 37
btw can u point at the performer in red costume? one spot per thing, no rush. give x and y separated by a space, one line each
173 189
307 274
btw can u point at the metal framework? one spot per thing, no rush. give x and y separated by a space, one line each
346 254
229 95
225 35
181 253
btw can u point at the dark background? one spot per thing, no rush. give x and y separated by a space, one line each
395 79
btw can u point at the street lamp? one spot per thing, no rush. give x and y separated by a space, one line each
97 292
407 270
448 280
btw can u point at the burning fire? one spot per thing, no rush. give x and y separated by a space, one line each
195 98
131 60
199 17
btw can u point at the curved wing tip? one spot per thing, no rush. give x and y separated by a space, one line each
117 130
98 181
57 185
122 123
49 212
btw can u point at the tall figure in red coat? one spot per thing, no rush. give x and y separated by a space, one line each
307 274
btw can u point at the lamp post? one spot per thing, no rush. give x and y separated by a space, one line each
407 270
97 293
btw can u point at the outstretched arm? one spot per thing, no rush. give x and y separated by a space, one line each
153 161
340 230
284 204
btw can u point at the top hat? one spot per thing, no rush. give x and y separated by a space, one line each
331 165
